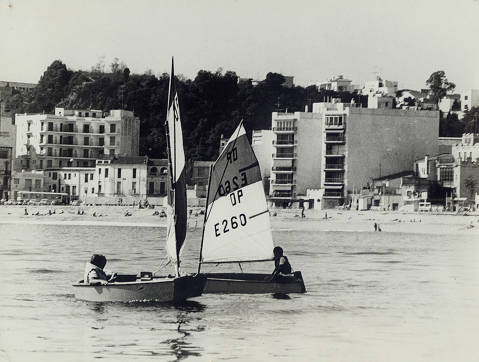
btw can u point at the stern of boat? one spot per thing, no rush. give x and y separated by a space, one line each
189 286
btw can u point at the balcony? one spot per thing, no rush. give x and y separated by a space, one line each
284 143
334 166
291 129
333 180
279 169
335 138
289 182
332 126
334 153
289 155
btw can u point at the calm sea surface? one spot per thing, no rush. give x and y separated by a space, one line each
371 297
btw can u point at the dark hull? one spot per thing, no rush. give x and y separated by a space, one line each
129 288
251 283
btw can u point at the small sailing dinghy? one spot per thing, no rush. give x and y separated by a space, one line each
236 226
146 285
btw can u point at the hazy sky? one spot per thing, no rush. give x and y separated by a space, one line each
404 40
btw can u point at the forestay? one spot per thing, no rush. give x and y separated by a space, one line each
237 226
176 231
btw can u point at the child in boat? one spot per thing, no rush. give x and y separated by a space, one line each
281 264
94 273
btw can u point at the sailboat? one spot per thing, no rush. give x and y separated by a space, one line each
147 285
236 226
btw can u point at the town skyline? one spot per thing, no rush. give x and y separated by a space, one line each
404 42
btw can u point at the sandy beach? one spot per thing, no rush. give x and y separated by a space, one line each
281 219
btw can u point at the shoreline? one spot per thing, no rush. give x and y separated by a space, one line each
281 219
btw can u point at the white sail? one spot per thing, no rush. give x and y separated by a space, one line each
237 226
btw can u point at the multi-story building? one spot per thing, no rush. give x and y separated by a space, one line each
384 87
338 148
157 177
467 149
7 151
75 138
337 84
121 177
469 99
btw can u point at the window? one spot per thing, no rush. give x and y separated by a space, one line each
41 163
92 190
118 187
99 189
50 138
112 141
64 176
86 177
101 141
102 128
99 170
41 138
134 173
54 176
86 141
106 172
86 128
119 172
60 163
93 114
38 184
133 187
29 124
112 128
16 181
86 153
446 174
69 176
42 126
87 114
91 176
50 126
49 163
74 190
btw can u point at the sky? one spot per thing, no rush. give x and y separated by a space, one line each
312 40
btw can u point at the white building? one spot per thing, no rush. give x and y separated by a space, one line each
337 84
75 138
384 87
469 99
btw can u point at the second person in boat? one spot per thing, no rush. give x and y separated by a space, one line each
282 267
94 273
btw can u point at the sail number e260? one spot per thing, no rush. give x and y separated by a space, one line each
229 224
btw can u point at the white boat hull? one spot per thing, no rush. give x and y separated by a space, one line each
249 283
160 289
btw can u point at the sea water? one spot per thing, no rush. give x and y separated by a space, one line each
370 297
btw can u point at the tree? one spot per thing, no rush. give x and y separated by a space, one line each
439 85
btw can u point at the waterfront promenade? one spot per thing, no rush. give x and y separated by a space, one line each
281 219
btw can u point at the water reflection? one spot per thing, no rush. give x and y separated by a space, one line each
180 346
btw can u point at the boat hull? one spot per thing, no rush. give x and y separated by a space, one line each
251 283
160 289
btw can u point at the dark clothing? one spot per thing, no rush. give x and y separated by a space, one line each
282 265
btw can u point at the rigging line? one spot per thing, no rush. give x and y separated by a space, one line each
224 171
261 213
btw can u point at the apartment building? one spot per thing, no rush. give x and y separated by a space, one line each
75 138
7 150
338 148
467 149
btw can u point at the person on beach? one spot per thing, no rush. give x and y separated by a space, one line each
94 273
375 227
282 267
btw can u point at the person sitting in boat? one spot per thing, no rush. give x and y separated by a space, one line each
281 264
94 273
